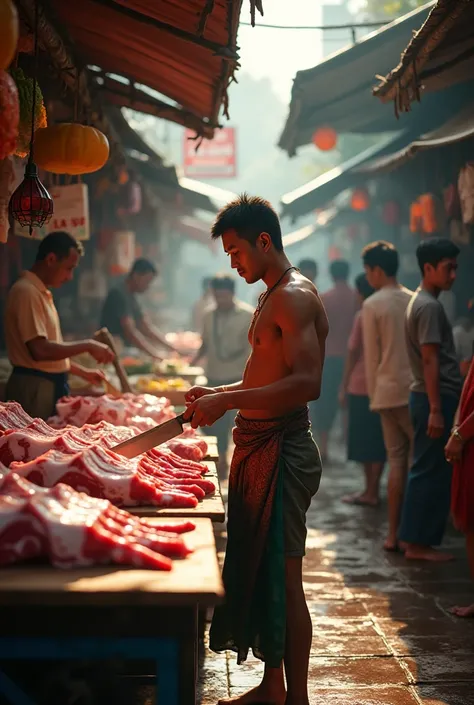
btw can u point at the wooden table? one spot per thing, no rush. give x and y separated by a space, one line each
212 453
104 613
211 507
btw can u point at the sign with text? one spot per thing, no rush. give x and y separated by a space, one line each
215 159
71 213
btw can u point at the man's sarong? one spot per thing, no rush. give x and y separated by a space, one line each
462 492
275 471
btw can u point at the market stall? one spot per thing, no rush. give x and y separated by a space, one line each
151 621
98 614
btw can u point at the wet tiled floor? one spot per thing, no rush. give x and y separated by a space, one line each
382 634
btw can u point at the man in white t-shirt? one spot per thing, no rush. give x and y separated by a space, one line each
225 349
388 371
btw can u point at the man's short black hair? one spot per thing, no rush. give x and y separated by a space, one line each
58 243
206 283
249 216
223 282
363 286
310 264
339 270
434 250
143 266
381 254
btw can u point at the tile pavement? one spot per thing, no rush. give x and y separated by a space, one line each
382 634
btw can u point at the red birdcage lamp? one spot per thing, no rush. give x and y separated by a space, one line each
31 205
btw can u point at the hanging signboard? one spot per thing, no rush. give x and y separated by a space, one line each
215 159
121 252
71 214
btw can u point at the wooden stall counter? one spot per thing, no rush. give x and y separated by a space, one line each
106 613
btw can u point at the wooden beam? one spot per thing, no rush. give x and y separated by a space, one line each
124 95
228 53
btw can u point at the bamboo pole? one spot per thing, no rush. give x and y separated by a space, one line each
103 336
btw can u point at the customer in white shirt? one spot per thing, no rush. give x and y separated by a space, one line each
388 369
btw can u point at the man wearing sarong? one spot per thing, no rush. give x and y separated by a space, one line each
276 467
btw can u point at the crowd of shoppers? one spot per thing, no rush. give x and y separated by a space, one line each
401 385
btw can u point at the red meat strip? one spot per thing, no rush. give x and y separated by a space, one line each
189 448
73 529
161 453
101 473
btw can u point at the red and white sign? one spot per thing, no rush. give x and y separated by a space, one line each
71 214
215 159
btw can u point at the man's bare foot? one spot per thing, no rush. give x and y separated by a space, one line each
463 611
261 695
391 544
363 499
426 553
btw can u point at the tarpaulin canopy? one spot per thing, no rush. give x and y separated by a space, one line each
318 192
196 229
459 128
439 55
183 49
338 91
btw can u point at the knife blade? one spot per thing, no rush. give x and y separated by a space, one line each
152 438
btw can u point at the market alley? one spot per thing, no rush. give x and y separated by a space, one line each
382 631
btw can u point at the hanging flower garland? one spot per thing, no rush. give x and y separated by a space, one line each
25 93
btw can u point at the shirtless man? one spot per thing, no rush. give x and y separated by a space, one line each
276 466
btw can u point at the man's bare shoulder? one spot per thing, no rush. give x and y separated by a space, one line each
298 298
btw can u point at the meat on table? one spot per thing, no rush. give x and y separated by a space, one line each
72 529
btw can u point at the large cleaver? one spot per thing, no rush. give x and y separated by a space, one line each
152 438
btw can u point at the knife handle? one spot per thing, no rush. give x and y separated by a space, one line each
181 420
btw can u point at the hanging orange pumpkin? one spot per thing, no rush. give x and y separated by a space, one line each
9 115
360 200
325 138
70 148
9 29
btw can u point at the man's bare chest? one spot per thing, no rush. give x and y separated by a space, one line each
264 331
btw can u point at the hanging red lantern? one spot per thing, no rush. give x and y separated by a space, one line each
325 138
416 217
31 205
360 200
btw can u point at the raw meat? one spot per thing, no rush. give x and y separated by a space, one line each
190 448
23 438
78 411
74 530
12 415
101 473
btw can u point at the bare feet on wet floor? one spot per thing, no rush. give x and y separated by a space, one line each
362 499
415 552
391 544
463 611
261 695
